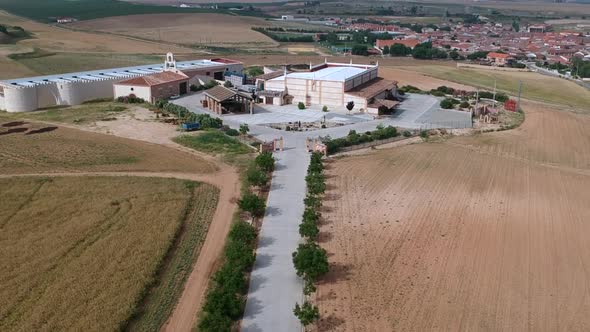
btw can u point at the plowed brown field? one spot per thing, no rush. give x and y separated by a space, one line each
488 233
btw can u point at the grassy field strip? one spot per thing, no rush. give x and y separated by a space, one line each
535 86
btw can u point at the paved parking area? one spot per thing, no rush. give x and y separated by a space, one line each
417 111
290 113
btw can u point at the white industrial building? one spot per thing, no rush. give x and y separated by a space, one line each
32 93
329 84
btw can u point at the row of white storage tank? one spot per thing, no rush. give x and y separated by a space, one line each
18 98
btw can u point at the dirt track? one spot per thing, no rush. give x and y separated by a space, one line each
475 233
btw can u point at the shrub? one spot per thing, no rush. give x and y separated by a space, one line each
424 133
253 204
131 99
265 161
410 89
194 88
464 104
307 313
301 105
325 108
244 129
407 133
437 93
160 103
228 84
447 103
232 132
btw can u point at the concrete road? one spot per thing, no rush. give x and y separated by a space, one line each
274 285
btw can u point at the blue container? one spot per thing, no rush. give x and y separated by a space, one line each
190 126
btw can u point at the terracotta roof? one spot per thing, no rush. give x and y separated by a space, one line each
155 79
271 75
220 93
411 43
498 55
372 88
384 102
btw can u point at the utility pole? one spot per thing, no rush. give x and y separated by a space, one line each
494 92
476 99
519 92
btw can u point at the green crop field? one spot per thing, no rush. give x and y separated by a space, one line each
45 10
82 253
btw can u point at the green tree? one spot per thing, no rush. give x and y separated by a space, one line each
399 50
359 50
350 105
256 177
242 232
515 25
301 105
315 183
265 161
244 129
215 322
228 84
253 204
308 286
312 201
308 229
385 49
307 313
454 55
310 260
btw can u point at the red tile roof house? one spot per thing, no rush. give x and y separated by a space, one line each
498 59
411 43
153 87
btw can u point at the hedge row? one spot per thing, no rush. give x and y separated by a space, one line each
225 301
310 260
284 38
182 112
353 138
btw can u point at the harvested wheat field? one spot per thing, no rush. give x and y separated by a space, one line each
206 29
79 253
487 232
63 40
31 148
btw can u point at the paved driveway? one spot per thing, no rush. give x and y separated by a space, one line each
274 285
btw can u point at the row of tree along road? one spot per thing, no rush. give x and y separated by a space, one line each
310 260
226 299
